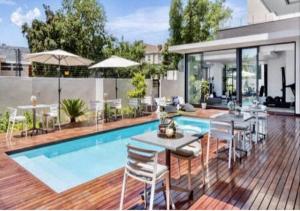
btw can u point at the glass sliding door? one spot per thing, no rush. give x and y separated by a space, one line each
221 66
196 73
249 75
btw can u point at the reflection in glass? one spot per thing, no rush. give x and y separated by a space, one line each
221 68
249 75
195 74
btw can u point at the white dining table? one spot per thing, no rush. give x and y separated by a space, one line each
34 130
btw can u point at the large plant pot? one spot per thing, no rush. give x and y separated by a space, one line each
203 105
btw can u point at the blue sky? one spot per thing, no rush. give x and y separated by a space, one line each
133 19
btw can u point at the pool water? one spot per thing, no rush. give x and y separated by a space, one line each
65 165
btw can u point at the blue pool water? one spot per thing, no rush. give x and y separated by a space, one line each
68 164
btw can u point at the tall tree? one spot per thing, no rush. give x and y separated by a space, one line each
202 19
175 22
77 27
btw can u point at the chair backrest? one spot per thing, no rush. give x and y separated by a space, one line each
54 109
160 101
133 102
141 162
117 103
221 130
148 100
12 113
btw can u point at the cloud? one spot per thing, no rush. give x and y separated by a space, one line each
238 16
0 20
7 2
142 23
19 17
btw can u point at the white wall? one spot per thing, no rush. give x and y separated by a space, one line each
15 91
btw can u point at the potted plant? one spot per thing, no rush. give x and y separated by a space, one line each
204 91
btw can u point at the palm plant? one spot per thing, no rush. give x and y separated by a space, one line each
73 108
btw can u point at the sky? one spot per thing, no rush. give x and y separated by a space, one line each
131 19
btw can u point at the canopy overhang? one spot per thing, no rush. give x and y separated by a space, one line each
237 42
282 7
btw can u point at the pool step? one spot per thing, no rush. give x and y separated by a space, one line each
46 170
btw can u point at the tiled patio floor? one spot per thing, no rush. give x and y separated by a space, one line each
268 179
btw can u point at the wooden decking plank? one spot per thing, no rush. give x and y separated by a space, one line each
274 178
232 198
208 204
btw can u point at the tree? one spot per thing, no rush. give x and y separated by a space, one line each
139 82
175 22
77 27
202 19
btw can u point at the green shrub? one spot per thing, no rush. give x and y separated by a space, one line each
73 108
4 120
139 82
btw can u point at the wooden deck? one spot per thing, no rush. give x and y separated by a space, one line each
268 179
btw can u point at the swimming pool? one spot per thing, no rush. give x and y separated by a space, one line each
64 165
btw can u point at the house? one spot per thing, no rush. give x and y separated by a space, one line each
12 62
153 54
257 61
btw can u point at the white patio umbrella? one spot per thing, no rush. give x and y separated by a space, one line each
115 62
60 58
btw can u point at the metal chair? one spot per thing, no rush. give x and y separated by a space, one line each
117 106
189 153
53 115
148 102
222 131
134 104
13 119
142 165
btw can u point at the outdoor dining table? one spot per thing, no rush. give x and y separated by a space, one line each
34 130
169 144
236 120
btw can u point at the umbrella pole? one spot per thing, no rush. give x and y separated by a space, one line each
116 86
59 89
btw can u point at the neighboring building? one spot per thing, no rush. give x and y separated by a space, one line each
153 54
10 64
257 61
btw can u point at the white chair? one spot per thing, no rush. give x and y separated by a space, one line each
222 131
262 122
134 104
52 115
160 102
142 165
13 119
117 106
189 153
148 102
97 109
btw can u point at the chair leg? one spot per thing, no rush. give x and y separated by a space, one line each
207 151
123 191
189 174
229 154
26 129
167 191
11 130
203 168
7 131
152 195
145 196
